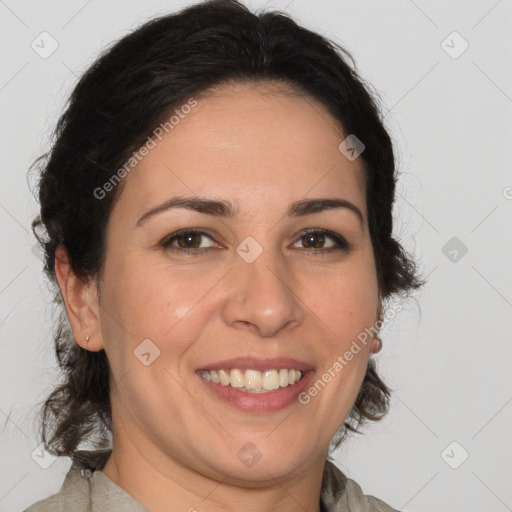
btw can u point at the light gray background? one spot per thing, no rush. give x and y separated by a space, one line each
447 355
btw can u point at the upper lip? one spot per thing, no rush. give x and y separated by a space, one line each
261 364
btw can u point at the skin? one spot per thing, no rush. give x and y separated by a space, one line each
261 149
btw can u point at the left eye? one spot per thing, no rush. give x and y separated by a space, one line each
317 237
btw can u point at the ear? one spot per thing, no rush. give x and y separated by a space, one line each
81 300
379 313
377 342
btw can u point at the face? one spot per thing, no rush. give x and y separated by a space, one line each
243 297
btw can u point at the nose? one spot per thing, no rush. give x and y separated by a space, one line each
261 296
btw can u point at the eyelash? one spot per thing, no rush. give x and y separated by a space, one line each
341 243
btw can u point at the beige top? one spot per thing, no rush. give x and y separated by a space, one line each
87 489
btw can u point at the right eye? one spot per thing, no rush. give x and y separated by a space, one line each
187 240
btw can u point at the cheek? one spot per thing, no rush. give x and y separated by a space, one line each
349 309
347 302
154 301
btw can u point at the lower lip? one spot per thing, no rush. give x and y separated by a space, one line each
270 401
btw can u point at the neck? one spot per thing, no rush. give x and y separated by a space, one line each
165 483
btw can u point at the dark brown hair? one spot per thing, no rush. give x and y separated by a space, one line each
128 91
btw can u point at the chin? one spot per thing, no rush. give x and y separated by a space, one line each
264 459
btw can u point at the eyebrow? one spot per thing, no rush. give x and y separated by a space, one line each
222 208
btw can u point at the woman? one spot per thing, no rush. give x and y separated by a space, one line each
217 217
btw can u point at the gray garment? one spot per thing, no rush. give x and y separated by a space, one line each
87 489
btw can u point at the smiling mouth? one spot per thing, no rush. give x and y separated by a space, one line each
253 381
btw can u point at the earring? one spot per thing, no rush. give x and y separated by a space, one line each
86 341
378 344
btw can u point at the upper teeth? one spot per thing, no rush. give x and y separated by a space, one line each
253 381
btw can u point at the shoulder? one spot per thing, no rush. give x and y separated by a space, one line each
73 495
78 491
341 494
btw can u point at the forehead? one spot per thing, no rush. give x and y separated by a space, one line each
248 142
